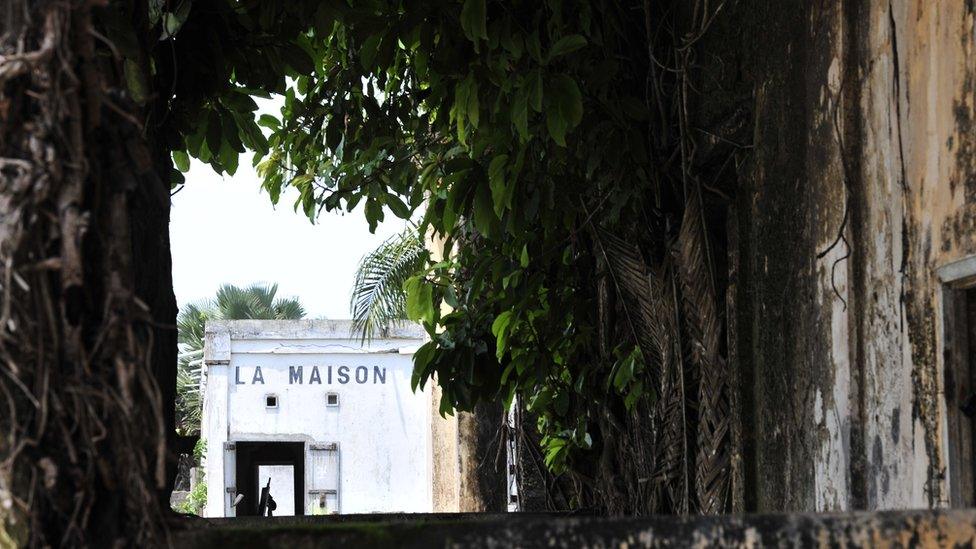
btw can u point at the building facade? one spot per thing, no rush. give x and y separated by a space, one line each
331 423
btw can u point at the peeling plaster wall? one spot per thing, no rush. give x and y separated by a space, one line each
936 40
792 201
847 406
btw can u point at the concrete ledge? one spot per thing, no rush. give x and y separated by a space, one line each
946 528
305 329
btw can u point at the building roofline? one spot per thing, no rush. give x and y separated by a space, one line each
305 329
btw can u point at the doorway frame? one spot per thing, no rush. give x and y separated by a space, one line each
956 279
251 454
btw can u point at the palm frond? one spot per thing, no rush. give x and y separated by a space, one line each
378 300
703 327
633 283
649 299
234 302
673 435
262 300
189 402
258 301
190 322
288 309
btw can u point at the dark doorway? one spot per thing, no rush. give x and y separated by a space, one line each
251 456
960 391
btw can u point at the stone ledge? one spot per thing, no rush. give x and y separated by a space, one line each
942 528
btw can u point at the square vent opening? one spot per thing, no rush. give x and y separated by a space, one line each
332 399
271 401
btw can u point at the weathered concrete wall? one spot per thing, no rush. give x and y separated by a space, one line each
869 530
864 131
790 205
444 452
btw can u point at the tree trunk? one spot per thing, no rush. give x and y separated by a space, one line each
481 449
87 312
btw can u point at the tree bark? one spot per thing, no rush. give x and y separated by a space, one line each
481 449
87 312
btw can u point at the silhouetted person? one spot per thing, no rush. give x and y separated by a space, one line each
267 502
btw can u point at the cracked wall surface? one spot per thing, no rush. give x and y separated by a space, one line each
865 162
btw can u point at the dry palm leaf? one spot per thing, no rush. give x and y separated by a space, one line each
632 281
673 461
703 328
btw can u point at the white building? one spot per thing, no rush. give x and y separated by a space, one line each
304 404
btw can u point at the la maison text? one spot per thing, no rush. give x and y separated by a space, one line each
301 375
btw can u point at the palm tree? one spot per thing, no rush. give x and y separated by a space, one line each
257 301
378 300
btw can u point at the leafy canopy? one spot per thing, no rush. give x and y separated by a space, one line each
520 125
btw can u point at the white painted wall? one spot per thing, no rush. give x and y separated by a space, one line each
382 429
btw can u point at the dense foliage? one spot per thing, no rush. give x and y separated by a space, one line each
482 115
550 146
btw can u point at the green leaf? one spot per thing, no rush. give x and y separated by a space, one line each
300 181
231 132
269 122
459 110
499 329
474 109
214 135
252 136
501 323
466 108
474 20
556 126
421 361
420 299
181 160
540 401
240 102
176 179
333 133
374 213
535 90
625 372
298 59
229 158
511 40
565 107
566 44
171 24
634 395
496 179
135 81
484 211
397 206
561 404
520 114
524 259
367 54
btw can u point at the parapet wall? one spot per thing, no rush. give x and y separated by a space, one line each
875 530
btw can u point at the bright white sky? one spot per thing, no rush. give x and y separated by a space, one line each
224 230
